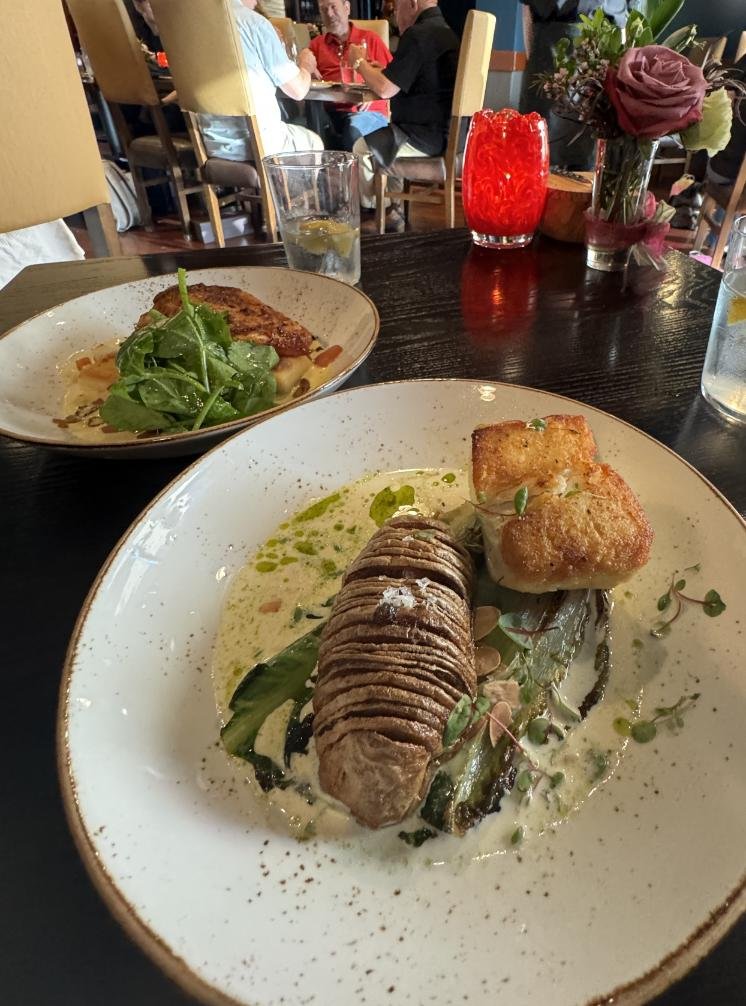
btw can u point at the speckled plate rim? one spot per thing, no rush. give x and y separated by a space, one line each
637 992
233 425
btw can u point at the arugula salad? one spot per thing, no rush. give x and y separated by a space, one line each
186 372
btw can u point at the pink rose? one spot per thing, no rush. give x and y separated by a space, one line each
655 91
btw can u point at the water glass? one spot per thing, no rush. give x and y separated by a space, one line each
315 194
724 373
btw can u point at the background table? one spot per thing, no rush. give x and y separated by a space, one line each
535 317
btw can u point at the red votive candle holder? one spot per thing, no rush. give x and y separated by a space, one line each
504 184
162 60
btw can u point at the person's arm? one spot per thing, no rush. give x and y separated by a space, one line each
376 80
297 87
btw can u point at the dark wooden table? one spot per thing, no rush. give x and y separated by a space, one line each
534 317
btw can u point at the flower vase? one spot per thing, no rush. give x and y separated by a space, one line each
619 206
504 184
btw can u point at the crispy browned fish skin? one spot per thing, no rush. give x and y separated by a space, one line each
507 455
595 536
249 319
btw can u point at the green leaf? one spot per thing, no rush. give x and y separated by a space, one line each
556 779
659 14
263 690
563 706
482 705
537 424
664 600
458 721
712 132
537 730
513 626
622 726
679 585
248 358
517 837
125 413
524 781
643 731
388 501
520 500
713 605
681 39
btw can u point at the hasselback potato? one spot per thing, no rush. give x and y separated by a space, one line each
395 657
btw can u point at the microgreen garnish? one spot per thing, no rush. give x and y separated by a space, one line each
538 729
416 838
537 424
464 714
643 731
712 603
517 837
511 624
424 535
520 500
386 503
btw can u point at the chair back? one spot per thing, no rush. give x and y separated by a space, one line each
106 33
284 27
50 165
204 56
473 63
302 36
741 48
706 49
210 75
380 27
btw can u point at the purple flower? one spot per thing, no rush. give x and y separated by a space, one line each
655 91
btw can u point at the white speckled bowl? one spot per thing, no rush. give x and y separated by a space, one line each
31 387
623 898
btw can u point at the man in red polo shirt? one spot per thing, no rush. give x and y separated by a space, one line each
347 123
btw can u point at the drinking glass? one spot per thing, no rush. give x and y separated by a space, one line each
315 194
724 373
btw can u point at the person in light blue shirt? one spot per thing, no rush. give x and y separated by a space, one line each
268 68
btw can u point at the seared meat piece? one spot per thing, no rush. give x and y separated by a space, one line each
395 656
249 319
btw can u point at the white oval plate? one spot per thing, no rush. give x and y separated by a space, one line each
622 899
31 387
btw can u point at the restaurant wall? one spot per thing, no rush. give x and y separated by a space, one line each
508 59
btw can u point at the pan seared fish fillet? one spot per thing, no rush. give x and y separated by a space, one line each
395 656
583 526
249 319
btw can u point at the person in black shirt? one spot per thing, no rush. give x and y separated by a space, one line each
419 83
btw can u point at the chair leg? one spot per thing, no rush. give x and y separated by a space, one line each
722 240
449 196
213 211
141 194
703 227
182 204
99 221
379 184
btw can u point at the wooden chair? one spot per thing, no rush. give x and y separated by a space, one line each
468 97
50 166
206 59
302 36
732 201
380 26
284 27
706 49
741 48
106 33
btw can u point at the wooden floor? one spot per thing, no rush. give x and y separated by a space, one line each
167 236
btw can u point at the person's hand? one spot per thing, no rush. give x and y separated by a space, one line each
356 52
307 61
375 64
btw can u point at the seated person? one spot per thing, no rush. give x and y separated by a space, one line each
419 82
330 53
268 68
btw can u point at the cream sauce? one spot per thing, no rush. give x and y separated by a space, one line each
301 565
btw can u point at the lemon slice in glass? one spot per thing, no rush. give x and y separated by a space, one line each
737 311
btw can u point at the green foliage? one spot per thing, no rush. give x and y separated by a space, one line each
186 372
